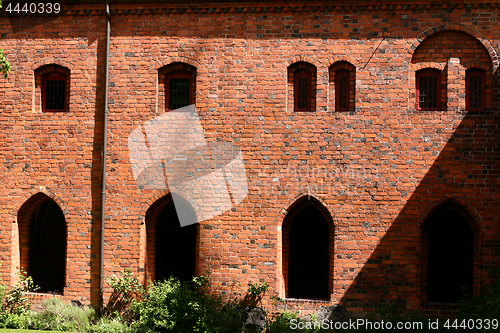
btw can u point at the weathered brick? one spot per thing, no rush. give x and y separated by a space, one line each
379 169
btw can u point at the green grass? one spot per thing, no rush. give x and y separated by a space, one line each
12 330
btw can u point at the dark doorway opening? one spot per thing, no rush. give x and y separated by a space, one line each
308 255
175 245
47 248
450 256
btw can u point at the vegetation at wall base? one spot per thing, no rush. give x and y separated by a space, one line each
172 306
484 305
11 330
179 307
126 291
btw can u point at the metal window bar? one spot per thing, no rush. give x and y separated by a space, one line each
55 94
428 92
178 95
343 102
303 90
475 92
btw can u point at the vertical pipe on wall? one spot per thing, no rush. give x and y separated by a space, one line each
104 155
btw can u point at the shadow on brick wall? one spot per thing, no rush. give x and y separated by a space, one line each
467 173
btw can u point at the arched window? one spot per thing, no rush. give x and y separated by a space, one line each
175 246
307 248
302 77
52 82
451 50
180 85
43 237
475 90
449 254
428 89
343 79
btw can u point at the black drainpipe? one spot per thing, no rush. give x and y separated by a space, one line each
104 155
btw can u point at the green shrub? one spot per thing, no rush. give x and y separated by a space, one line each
254 294
288 322
280 322
484 306
126 290
15 320
15 309
58 316
106 325
172 306
3 288
4 64
16 299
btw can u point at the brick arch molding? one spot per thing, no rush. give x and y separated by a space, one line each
302 58
456 27
300 200
52 61
430 64
34 191
170 60
160 195
474 64
462 203
339 58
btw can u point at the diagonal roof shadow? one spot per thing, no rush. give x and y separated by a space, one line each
466 171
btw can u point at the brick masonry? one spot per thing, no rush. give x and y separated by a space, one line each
379 170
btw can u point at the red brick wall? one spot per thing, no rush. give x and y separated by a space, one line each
57 154
378 170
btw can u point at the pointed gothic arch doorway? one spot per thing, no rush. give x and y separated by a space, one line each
174 248
307 245
449 244
43 238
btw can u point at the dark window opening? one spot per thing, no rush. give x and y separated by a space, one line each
428 89
475 88
308 255
175 245
449 257
302 90
179 90
342 88
47 248
54 92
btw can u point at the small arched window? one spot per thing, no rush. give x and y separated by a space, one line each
54 92
428 89
180 85
53 85
475 90
302 77
343 78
